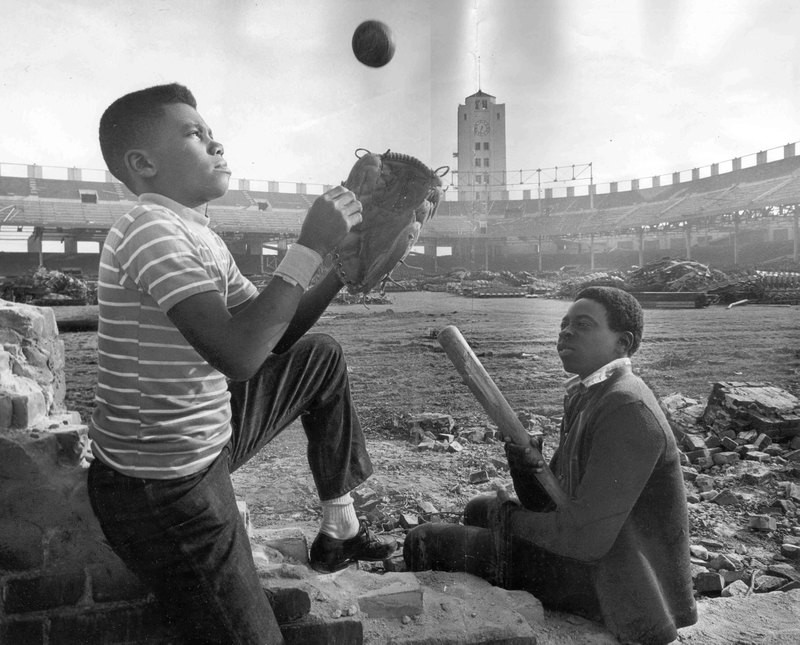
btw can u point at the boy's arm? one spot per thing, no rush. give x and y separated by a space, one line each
626 447
237 343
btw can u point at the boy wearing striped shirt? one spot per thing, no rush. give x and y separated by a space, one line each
197 371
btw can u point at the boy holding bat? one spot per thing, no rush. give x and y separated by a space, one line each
616 549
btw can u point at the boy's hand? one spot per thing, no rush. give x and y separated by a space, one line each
520 458
329 219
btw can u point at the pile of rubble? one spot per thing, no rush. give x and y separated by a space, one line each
741 463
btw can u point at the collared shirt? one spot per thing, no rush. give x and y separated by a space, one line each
161 411
598 376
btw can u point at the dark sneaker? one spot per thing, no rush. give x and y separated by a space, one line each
329 554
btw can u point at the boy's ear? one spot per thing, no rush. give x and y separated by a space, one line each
139 164
625 341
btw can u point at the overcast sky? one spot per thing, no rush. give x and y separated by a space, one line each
637 88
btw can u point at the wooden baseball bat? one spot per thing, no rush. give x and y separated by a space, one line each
494 403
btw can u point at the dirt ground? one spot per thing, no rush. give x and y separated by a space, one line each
398 369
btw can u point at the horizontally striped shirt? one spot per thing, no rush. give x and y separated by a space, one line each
161 411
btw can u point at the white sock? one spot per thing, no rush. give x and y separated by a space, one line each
339 518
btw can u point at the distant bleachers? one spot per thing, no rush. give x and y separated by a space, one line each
19 186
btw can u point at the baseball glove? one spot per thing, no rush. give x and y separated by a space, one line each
398 194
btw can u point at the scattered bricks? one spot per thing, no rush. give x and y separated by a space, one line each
711 545
725 498
426 444
692 442
790 551
724 562
692 499
708 495
490 435
757 475
725 458
30 632
429 511
757 455
704 483
431 421
762 523
784 570
746 437
315 630
792 491
738 588
766 583
784 506
398 599
478 477
473 435
20 545
708 583
446 437
72 442
698 551
731 576
454 446
500 464
728 444
774 450
290 542
408 520
762 441
689 473
365 499
694 456
44 592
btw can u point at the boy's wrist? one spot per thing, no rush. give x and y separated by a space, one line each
298 265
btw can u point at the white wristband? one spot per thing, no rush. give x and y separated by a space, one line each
299 265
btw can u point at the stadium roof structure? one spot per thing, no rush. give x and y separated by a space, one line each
766 189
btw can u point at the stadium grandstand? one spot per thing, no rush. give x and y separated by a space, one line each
743 212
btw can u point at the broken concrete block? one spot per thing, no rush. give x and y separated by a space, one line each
454 446
767 583
431 421
692 442
398 599
408 520
757 455
762 523
290 542
725 458
698 551
725 498
790 551
708 583
478 477
736 588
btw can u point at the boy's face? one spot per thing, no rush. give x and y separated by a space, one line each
188 164
586 342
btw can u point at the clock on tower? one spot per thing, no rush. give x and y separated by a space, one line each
481 128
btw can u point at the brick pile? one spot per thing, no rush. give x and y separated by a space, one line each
741 464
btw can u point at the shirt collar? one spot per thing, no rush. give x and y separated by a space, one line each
598 376
187 213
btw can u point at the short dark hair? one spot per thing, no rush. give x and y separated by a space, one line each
129 120
623 311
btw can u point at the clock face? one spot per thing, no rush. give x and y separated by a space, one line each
481 128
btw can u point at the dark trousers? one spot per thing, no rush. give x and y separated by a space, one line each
476 547
184 537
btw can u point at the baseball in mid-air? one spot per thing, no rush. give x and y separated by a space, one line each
373 43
